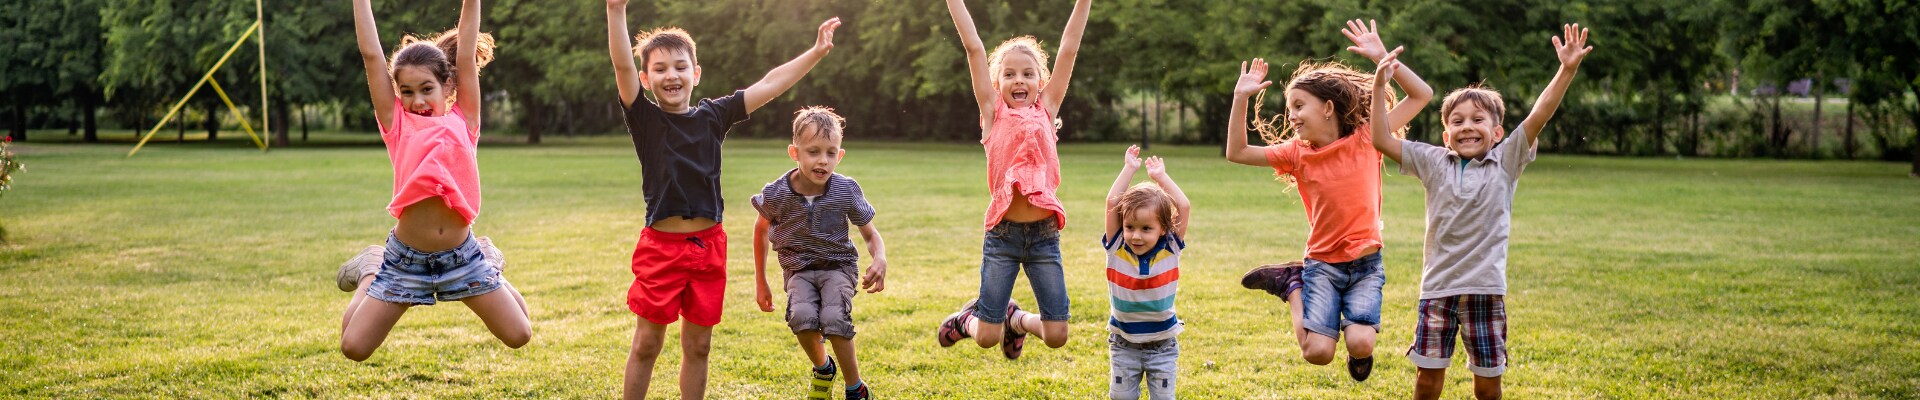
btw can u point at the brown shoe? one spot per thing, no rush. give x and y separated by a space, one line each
1275 279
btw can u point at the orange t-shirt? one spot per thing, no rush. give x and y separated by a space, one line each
1020 151
433 157
1340 186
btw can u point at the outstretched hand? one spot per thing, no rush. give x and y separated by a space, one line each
1366 39
1574 49
1388 64
1133 157
1253 78
1156 167
825 41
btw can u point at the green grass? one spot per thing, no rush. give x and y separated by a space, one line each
205 270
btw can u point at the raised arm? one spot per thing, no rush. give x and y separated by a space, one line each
1383 139
1252 80
762 296
876 278
379 85
467 65
1157 170
1366 43
626 77
1571 51
1131 164
783 77
1062 75
983 92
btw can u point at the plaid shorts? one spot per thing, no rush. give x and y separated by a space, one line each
1480 319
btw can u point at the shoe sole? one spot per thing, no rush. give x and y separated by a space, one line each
941 339
348 278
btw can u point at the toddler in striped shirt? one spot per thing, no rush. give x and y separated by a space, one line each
1146 226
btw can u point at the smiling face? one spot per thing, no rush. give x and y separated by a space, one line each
1141 228
1019 79
420 92
816 155
670 75
1472 130
1312 116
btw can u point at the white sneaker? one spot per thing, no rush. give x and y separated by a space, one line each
491 253
363 264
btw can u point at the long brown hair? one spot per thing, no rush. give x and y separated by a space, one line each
436 53
1350 91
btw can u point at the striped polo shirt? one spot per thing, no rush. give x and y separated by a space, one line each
811 234
1142 289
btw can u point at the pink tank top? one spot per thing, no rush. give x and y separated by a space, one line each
433 157
1020 152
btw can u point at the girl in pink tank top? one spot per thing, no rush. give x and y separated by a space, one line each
1018 97
427 100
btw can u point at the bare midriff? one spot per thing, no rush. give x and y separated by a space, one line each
683 224
430 226
1022 211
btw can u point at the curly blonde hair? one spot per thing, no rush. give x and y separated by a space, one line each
1023 44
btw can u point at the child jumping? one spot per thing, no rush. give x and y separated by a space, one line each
1146 232
807 211
431 254
1324 148
1018 98
680 261
1470 185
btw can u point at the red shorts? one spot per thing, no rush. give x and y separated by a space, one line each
678 274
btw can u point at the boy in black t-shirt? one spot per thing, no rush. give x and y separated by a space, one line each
679 263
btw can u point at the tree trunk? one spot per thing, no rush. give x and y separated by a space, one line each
1847 147
1813 137
1778 140
213 123
19 129
1660 125
278 117
303 124
90 111
535 111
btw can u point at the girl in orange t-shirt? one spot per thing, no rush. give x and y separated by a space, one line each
431 254
1325 150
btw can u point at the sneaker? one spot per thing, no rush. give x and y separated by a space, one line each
1275 279
858 392
1359 368
361 265
954 327
491 253
1013 342
823 380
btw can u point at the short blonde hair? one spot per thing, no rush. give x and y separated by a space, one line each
1023 44
824 122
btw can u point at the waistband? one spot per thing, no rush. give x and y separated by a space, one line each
466 251
1153 345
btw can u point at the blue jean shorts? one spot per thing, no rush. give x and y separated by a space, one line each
414 277
1011 247
1334 295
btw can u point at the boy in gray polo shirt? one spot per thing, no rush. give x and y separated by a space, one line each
804 216
1470 185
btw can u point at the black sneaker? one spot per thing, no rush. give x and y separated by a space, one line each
858 393
1275 279
1359 368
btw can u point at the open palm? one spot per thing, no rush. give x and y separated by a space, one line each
1574 49
1366 39
1253 77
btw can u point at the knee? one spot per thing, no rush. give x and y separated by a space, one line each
355 351
1056 340
696 350
645 351
1317 355
988 337
1123 394
518 338
1486 393
1430 378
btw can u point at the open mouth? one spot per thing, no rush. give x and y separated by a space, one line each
423 113
820 174
1020 95
672 90
1470 140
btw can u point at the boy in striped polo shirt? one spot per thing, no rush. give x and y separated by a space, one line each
1146 225
804 216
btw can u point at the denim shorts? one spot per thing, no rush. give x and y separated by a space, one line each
1334 295
1153 365
409 276
821 300
1011 247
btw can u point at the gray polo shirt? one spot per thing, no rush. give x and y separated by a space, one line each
811 234
1469 212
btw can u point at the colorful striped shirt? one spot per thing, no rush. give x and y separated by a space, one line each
1142 289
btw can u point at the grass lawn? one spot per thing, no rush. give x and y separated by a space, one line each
202 270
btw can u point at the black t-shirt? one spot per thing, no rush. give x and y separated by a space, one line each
680 154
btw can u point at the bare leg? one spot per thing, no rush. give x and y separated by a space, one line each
1485 388
849 365
810 344
505 314
695 343
1315 348
985 334
647 338
1360 339
1054 333
367 323
1427 385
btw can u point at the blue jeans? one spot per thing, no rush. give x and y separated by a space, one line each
1010 247
1334 295
409 276
1154 365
